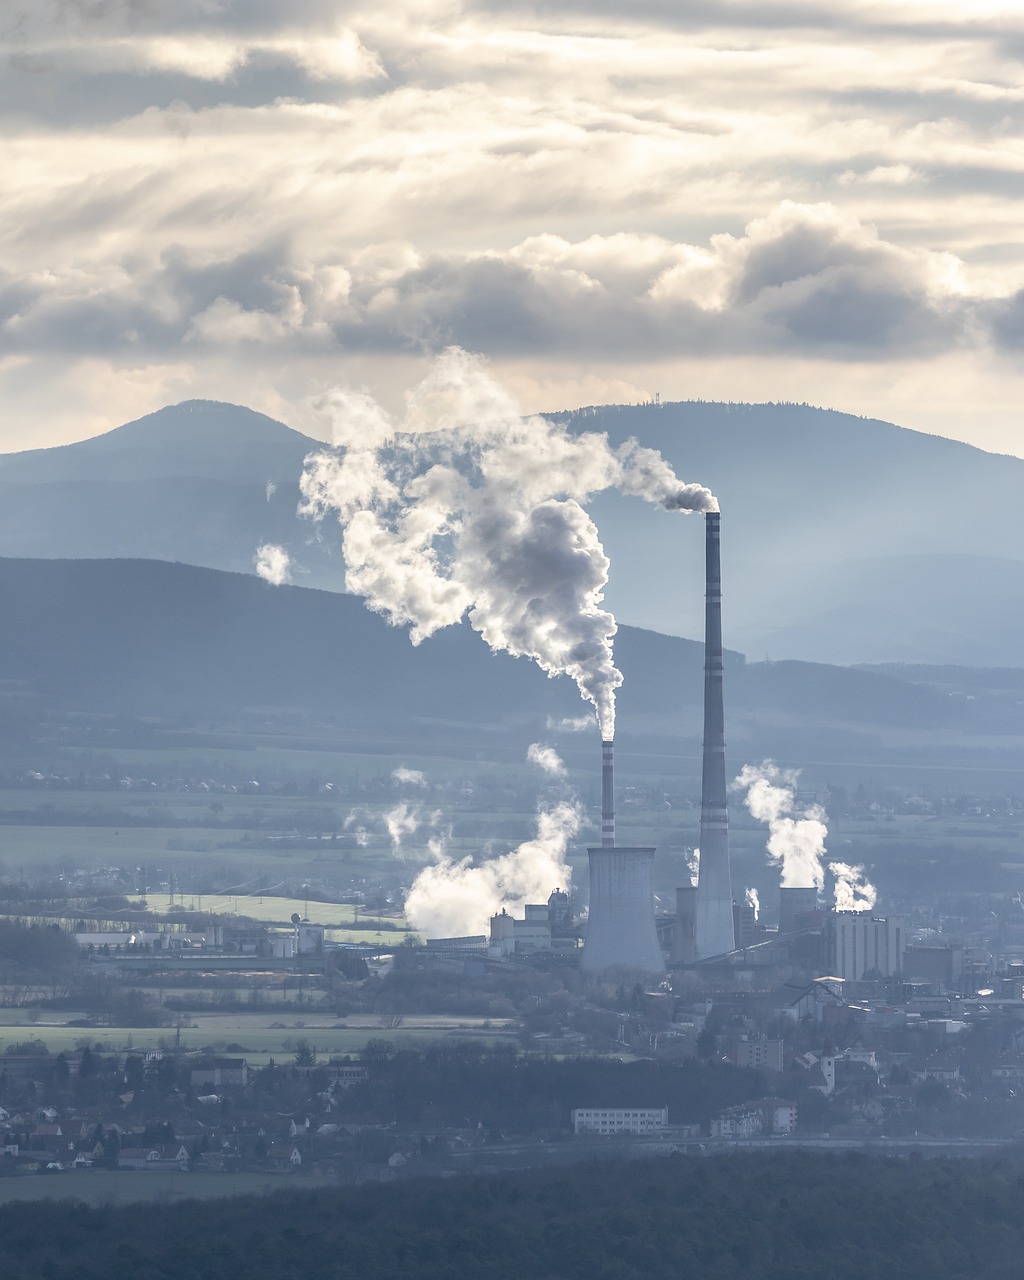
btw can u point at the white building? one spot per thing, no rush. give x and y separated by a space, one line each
510 936
864 944
609 1120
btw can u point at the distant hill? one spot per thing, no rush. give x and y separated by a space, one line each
144 638
844 539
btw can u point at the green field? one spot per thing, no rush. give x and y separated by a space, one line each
260 1040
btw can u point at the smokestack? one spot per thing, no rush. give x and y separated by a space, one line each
607 796
714 933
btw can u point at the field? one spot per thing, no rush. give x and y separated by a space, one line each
260 1036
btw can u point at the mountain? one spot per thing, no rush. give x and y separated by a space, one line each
844 539
200 482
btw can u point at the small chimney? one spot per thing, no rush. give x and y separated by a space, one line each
607 796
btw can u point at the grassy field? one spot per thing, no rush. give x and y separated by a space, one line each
102 1187
255 1032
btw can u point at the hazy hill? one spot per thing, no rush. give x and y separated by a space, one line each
844 539
145 637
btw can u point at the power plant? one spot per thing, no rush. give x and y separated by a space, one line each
713 934
621 931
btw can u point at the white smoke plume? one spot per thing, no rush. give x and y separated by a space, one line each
796 840
397 823
271 489
753 900
273 564
547 759
853 891
452 897
693 866
468 508
409 777
570 724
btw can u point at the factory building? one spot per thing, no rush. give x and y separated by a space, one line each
862 944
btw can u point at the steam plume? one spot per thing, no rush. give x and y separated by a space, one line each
546 758
693 866
409 777
854 892
273 564
796 840
468 508
453 897
754 901
570 724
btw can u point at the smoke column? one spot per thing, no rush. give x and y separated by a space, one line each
753 901
853 891
796 840
467 508
452 897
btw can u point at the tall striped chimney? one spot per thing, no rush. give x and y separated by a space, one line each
714 927
607 795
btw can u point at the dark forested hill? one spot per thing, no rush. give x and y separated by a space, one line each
150 637
740 1217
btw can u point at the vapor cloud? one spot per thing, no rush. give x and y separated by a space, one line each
273 564
796 840
470 509
797 834
455 897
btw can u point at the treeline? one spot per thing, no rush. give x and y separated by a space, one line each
465 1085
750 1217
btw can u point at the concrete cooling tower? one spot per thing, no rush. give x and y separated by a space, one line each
621 933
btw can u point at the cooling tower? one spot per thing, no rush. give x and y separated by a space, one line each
621 932
620 929
714 933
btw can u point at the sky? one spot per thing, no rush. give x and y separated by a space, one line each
752 200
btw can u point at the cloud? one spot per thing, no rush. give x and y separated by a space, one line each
804 278
273 564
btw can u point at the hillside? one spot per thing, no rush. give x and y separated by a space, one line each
844 540
146 637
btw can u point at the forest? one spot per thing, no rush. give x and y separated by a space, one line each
737 1217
